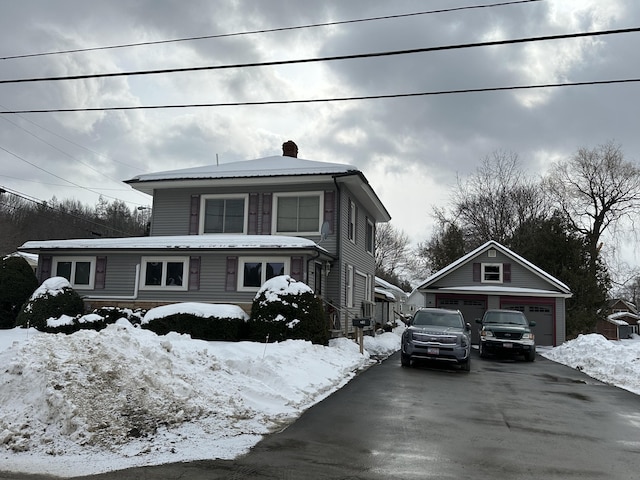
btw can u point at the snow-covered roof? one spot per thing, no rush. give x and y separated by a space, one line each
283 168
202 242
500 290
617 318
261 167
390 286
493 244
388 295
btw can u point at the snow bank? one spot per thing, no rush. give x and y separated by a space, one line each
613 362
92 401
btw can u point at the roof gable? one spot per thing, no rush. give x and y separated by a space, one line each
492 244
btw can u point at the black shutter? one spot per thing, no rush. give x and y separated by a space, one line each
296 268
45 267
194 273
506 272
252 228
194 218
329 209
266 214
476 272
101 273
232 274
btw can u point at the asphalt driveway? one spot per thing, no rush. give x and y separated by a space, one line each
503 420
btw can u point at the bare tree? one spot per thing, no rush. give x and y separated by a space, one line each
496 200
393 252
596 188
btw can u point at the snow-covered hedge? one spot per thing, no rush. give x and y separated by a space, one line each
52 300
200 320
287 309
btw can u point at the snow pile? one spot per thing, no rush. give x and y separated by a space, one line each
92 401
616 363
204 310
52 286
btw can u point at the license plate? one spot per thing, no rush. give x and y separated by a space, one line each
433 351
507 345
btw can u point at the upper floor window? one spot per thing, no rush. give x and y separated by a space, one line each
370 236
164 273
80 271
492 272
352 215
224 214
298 213
255 271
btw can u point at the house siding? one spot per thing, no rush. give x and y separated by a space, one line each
521 277
354 254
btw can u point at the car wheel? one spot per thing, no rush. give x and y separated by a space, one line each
466 366
530 356
405 360
483 354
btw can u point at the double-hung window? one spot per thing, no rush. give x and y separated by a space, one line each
298 213
255 271
370 236
224 214
160 273
492 273
80 271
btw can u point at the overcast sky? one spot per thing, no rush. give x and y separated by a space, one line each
410 149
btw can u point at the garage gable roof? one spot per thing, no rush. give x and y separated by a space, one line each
504 250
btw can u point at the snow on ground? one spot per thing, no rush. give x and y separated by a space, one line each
92 402
613 362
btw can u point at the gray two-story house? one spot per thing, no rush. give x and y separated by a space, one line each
218 232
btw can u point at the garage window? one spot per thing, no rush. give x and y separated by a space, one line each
491 273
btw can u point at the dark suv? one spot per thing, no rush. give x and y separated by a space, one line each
437 334
506 332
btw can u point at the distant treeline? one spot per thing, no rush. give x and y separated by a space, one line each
22 219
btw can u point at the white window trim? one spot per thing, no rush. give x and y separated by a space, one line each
350 287
243 260
162 286
74 260
274 209
483 273
203 210
373 237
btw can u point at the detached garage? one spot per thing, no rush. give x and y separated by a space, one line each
492 276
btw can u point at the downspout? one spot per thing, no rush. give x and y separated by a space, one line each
339 250
117 297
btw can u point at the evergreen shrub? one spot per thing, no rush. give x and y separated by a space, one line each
17 283
46 304
287 309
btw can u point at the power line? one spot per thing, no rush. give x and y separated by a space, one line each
327 59
270 30
59 177
327 100
45 204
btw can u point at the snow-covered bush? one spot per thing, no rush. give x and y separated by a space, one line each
52 300
200 320
17 282
287 309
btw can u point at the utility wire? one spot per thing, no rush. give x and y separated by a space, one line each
270 30
59 177
326 100
326 59
45 204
